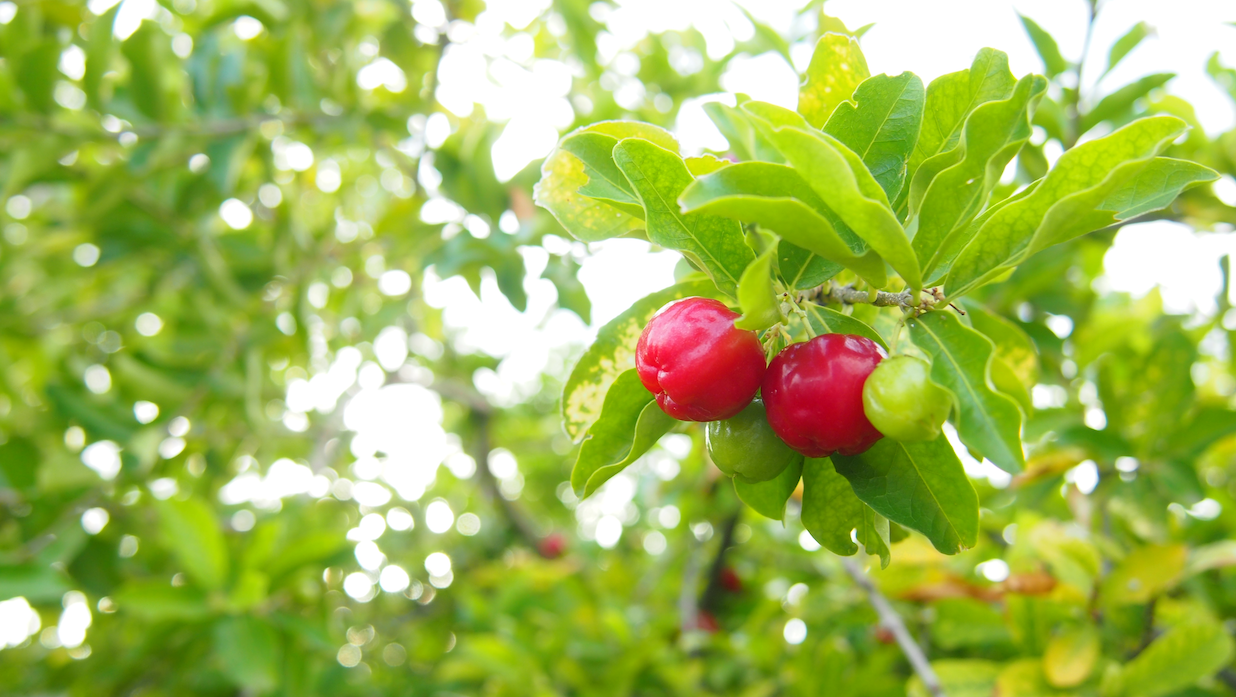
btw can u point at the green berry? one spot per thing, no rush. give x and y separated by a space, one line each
744 446
903 403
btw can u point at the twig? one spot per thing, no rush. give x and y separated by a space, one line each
849 295
890 619
712 592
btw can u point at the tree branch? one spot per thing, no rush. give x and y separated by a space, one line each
890 619
712 592
849 295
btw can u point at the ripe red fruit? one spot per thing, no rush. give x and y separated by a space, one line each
698 364
730 580
707 622
813 392
552 545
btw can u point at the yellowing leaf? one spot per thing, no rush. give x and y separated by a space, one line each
837 67
1145 573
1071 656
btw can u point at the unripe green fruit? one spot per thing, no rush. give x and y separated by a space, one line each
903 403
745 447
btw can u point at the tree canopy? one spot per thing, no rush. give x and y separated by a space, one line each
243 451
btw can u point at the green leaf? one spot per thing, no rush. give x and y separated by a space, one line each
776 198
952 97
1126 43
1013 346
760 307
1118 105
1064 204
612 353
630 424
159 600
1053 62
918 485
956 185
881 125
562 174
1144 574
147 53
1071 656
803 269
190 530
848 189
1025 678
831 512
247 649
1156 186
769 498
36 74
828 321
100 45
745 141
659 177
705 164
837 67
606 183
959 678
987 421
1181 657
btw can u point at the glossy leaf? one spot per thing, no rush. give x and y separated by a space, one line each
848 189
745 141
630 424
919 485
1118 105
952 97
987 421
831 512
959 182
837 68
1064 204
562 174
769 498
612 353
191 531
1185 654
1156 187
1048 51
760 305
606 183
881 124
826 320
803 269
776 197
1013 346
659 177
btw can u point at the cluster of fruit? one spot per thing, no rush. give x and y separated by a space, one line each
834 394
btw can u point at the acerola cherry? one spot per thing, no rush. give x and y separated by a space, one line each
814 395
698 364
744 445
903 403
552 545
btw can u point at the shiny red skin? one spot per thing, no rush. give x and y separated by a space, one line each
698 364
813 392
552 545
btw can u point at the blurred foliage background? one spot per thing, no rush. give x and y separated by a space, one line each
241 451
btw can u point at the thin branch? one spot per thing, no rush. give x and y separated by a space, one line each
849 295
890 619
712 592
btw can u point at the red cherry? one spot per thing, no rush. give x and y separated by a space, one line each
730 581
553 545
813 393
706 622
698 364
